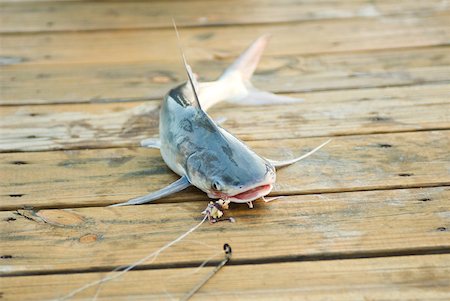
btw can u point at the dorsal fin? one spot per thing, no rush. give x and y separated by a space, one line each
191 77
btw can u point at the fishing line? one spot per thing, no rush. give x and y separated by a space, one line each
114 275
228 252
191 272
97 293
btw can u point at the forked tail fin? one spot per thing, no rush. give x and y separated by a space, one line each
234 84
247 62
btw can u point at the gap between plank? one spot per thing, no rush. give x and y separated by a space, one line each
188 200
266 260
316 90
375 132
213 25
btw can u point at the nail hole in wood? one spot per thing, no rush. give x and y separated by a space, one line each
405 174
384 145
379 118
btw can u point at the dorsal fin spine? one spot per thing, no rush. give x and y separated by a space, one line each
188 68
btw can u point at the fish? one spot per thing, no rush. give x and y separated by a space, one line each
200 150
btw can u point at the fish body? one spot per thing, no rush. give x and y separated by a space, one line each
212 159
203 153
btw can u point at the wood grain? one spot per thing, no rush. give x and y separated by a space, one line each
95 82
80 85
374 222
101 15
222 42
101 177
49 127
405 278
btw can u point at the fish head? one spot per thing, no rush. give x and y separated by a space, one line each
238 175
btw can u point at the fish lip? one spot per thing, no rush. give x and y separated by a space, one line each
253 193
265 187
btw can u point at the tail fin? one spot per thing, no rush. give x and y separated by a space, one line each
247 62
234 84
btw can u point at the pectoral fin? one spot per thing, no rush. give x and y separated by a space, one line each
292 161
151 143
176 186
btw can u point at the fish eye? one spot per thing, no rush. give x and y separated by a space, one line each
216 185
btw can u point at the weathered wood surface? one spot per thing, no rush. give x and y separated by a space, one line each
95 82
362 111
78 91
223 42
396 278
100 15
342 224
101 177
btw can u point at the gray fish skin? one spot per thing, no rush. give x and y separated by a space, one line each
203 153
212 159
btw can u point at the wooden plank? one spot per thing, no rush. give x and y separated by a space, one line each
206 43
341 224
395 278
49 127
290 73
102 177
100 15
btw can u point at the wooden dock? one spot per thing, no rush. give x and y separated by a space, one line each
365 218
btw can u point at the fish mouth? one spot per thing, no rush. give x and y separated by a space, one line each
251 194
